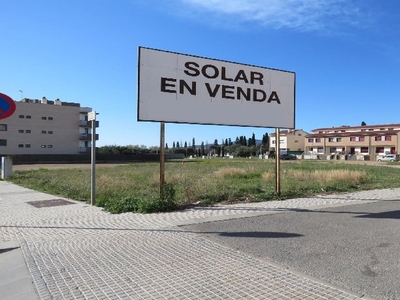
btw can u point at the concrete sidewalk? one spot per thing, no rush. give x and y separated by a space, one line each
57 248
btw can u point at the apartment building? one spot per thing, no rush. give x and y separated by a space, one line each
290 141
373 140
46 127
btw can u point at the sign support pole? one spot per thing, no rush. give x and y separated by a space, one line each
162 158
277 161
92 118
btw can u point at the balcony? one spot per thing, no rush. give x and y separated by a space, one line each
83 123
87 137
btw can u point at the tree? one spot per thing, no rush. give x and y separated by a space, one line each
215 142
166 146
253 140
265 142
363 123
177 145
173 145
193 143
185 145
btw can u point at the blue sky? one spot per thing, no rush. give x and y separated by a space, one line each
345 53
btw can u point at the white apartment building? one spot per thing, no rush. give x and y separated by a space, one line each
46 127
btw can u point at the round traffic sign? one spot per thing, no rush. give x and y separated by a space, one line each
7 106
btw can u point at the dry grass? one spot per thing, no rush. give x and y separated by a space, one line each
319 176
223 172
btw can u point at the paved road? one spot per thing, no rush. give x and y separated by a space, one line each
356 247
56 248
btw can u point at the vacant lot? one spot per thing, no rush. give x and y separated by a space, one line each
135 187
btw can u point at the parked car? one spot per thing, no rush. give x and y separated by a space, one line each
389 157
288 157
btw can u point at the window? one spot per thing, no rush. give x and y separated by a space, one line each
50 118
49 146
44 118
50 132
378 138
311 140
21 131
28 117
320 150
296 141
21 116
380 150
318 140
364 149
3 127
3 142
43 131
362 139
28 131
388 138
27 145
43 146
20 145
335 140
353 139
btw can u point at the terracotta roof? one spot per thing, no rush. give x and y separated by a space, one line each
353 133
344 127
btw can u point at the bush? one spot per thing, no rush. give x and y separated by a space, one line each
132 204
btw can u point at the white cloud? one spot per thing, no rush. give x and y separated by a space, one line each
305 15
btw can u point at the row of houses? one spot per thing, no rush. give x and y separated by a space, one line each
365 140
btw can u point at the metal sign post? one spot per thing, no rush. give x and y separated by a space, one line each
92 118
277 161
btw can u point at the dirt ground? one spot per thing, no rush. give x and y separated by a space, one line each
61 166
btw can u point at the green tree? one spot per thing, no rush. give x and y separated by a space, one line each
253 140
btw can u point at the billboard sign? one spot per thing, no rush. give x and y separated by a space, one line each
7 106
180 88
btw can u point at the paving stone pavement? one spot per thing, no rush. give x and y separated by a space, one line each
77 251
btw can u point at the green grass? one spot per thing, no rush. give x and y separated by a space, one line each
135 187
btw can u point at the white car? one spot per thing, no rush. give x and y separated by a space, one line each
389 157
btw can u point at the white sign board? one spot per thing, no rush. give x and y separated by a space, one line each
180 88
91 116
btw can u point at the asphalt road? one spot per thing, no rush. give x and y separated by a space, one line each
356 247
